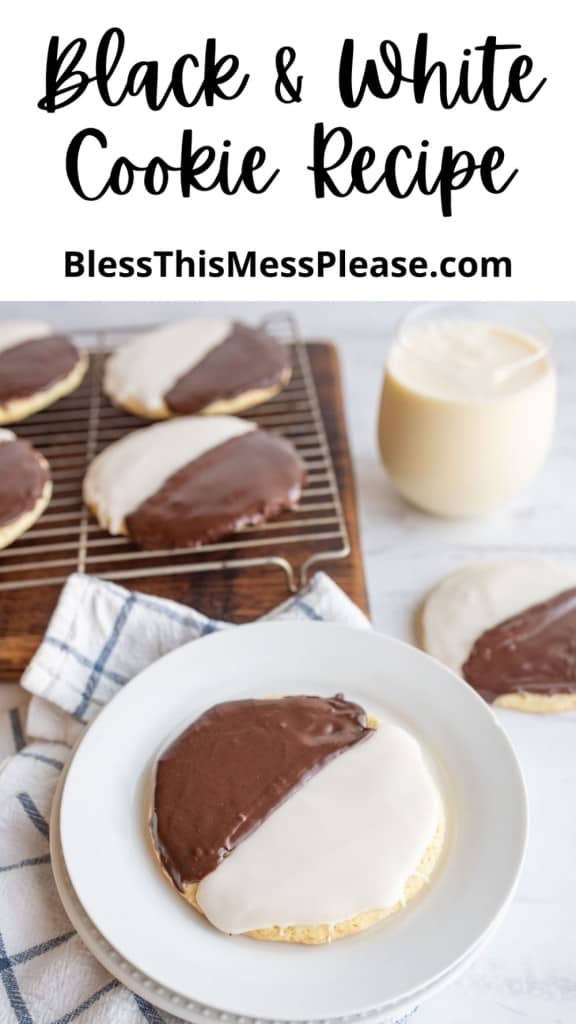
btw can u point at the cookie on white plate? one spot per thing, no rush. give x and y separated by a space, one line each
25 487
37 368
295 819
192 480
509 628
198 366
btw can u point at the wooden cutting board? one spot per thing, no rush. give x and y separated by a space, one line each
237 594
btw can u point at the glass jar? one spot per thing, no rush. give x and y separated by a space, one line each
468 406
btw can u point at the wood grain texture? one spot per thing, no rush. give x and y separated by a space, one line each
238 595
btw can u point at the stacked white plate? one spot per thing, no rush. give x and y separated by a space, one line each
147 936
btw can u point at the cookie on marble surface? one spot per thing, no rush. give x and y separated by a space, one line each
509 628
296 819
25 487
37 368
192 480
220 367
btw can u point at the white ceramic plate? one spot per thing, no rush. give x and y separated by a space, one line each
191 1011
116 878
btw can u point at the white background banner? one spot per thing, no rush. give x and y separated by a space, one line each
528 228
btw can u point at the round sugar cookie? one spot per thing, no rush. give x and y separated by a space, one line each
509 628
295 825
25 488
192 480
37 368
198 366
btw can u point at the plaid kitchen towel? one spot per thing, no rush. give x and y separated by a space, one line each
99 637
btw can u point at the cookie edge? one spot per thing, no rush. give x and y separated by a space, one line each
220 407
18 527
21 408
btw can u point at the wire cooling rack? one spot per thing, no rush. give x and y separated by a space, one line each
67 538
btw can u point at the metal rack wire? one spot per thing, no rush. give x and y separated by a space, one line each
67 539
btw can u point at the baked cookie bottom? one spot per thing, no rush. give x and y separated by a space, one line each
530 703
11 531
21 408
537 703
221 407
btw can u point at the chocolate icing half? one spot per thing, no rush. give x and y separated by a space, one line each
242 482
247 359
234 766
36 365
22 480
533 652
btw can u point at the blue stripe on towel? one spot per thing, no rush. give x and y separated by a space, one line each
308 610
43 758
149 1012
105 653
190 618
34 951
10 983
33 813
73 1014
114 677
17 731
209 627
29 862
158 605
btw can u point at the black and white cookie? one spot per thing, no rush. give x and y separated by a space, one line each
509 628
200 366
192 480
296 819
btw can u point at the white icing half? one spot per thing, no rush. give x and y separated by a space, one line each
131 470
6 435
143 370
14 332
345 842
467 603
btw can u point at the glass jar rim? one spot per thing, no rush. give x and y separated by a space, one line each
428 313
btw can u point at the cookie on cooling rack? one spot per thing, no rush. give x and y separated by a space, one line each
192 480
200 366
37 367
295 819
25 488
508 628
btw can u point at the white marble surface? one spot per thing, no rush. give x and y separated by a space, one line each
529 970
